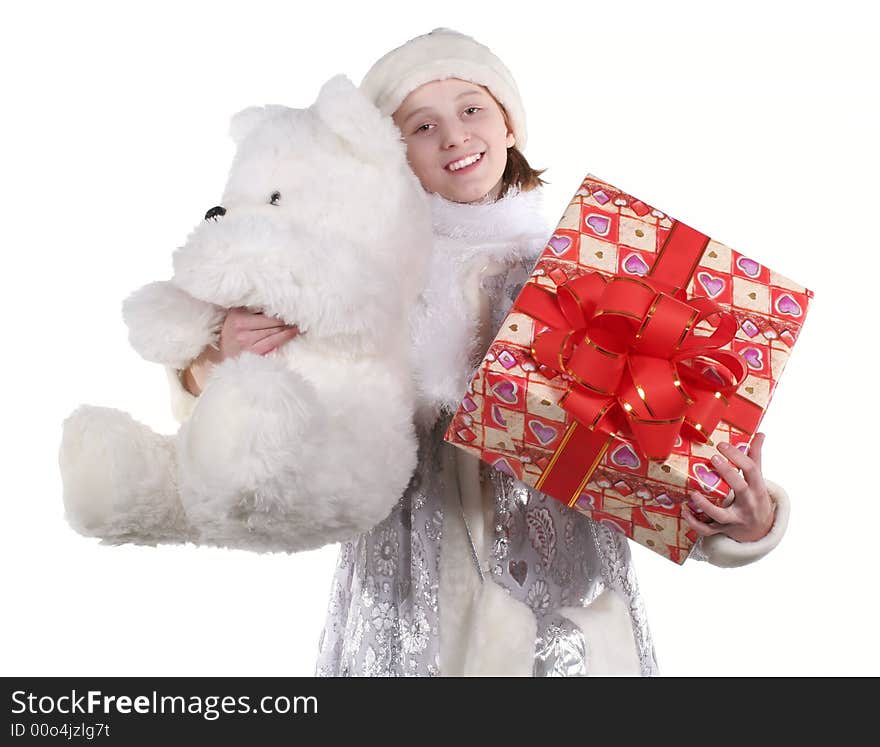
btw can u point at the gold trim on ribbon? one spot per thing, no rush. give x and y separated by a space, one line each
619 313
641 392
676 382
648 316
590 471
637 281
568 434
687 329
583 383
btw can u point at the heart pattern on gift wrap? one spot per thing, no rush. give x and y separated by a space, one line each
506 391
748 266
624 456
518 570
611 525
506 359
544 433
664 500
502 465
786 304
749 327
599 224
635 265
708 477
754 358
497 416
468 405
586 500
713 285
559 245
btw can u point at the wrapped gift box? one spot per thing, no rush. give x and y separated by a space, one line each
637 345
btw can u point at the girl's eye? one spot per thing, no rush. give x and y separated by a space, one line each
419 129
475 108
275 198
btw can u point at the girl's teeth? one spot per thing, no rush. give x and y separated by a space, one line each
466 162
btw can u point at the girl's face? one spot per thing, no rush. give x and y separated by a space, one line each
446 123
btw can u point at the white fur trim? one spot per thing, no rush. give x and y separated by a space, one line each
440 54
501 639
470 241
725 552
167 325
607 628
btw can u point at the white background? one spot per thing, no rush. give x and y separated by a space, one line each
754 122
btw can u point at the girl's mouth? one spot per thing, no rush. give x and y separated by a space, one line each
466 169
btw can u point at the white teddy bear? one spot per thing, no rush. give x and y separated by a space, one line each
323 225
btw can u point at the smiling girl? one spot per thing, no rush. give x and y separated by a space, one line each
473 572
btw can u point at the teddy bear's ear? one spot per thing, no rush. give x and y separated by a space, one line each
347 111
247 120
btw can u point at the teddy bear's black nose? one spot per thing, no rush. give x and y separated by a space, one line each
214 212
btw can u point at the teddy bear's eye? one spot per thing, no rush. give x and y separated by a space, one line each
275 198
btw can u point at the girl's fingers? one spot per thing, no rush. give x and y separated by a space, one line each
251 337
728 472
701 528
717 513
750 467
755 450
273 341
245 319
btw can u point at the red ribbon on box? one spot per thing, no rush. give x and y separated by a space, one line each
638 369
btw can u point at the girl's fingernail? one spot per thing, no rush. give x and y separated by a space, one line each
717 460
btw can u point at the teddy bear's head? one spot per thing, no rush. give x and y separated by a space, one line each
322 222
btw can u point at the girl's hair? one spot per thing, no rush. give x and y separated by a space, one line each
518 172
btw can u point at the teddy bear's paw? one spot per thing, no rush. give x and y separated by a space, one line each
255 421
119 478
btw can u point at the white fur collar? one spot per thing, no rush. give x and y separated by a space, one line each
484 223
471 242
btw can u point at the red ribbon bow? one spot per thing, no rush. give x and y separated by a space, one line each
638 368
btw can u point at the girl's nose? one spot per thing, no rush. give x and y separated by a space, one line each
455 135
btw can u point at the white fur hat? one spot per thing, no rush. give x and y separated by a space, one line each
442 54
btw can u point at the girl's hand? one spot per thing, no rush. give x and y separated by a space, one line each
750 515
247 331
242 330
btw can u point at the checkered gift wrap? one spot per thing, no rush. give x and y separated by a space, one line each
511 416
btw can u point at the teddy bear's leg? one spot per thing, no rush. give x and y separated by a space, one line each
119 479
244 449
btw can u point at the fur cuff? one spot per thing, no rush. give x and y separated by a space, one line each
725 552
167 325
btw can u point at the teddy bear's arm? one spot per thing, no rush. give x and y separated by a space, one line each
167 325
